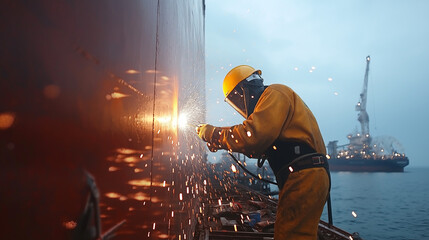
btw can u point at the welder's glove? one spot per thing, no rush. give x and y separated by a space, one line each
205 132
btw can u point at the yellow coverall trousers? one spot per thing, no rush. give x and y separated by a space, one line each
301 202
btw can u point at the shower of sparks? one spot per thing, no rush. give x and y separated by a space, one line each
189 115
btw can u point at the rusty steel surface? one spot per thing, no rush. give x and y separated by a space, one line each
98 87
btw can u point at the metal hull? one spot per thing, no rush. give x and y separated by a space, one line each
97 86
368 165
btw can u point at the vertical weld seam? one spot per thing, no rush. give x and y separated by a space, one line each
154 100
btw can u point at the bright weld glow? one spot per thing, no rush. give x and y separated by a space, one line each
354 214
182 120
233 168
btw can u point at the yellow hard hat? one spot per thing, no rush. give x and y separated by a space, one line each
237 75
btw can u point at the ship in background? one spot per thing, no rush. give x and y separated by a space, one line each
364 153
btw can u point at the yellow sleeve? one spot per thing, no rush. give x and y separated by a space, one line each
261 129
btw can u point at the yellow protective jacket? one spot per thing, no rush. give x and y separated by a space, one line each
279 114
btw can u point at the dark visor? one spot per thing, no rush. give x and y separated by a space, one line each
236 99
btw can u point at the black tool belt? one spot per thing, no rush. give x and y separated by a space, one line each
287 157
312 160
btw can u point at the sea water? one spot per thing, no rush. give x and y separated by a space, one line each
382 205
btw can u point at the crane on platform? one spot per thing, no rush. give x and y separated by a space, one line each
363 117
360 140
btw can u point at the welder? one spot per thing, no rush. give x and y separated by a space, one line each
279 127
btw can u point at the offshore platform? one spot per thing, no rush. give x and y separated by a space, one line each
96 107
363 153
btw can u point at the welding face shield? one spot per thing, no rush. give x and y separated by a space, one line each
245 95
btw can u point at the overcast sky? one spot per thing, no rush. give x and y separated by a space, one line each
287 39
